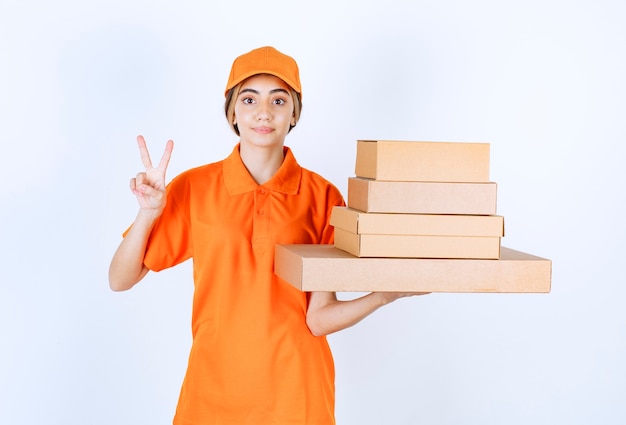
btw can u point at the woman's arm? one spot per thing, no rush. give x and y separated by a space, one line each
326 314
127 266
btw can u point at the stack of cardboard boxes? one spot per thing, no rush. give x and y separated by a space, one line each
420 200
421 217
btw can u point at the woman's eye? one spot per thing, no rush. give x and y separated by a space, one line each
279 101
247 100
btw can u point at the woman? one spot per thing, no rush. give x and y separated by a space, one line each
259 352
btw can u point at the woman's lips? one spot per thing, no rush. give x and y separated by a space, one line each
263 130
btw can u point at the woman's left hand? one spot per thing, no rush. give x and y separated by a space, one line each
387 297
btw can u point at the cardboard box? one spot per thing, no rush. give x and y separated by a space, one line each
422 161
418 246
327 268
360 222
422 197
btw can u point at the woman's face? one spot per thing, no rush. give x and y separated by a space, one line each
264 110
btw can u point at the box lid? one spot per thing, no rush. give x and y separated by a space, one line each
361 222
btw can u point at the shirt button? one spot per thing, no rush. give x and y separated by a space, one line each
260 212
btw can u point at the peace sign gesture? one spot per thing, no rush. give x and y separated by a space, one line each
149 185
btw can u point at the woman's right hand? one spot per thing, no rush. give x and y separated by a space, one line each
149 185
127 266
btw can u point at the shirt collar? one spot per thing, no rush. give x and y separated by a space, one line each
238 180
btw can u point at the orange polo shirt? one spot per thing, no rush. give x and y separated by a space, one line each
253 360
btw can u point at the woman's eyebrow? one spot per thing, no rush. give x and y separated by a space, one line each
249 90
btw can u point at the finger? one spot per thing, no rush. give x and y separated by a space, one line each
165 159
148 191
140 179
143 152
133 185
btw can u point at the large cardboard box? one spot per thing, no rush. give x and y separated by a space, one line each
418 246
360 222
327 268
422 197
422 161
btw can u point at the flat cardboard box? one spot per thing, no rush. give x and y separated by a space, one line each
327 268
360 222
418 246
395 160
422 197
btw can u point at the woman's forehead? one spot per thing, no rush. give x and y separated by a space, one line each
265 80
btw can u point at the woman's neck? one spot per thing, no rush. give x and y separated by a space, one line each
261 162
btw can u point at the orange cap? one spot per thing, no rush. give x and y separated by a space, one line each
265 60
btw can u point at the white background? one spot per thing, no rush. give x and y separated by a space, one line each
542 81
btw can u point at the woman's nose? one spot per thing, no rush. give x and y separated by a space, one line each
263 112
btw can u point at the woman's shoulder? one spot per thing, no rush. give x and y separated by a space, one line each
200 171
196 177
314 176
319 183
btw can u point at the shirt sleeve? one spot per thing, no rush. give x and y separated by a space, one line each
334 199
169 243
